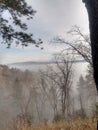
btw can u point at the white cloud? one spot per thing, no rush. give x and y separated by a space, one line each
53 18
57 16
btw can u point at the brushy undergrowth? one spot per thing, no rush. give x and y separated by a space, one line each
75 124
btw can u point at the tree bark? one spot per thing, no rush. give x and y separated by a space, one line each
92 9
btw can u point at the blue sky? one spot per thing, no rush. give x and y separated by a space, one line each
53 18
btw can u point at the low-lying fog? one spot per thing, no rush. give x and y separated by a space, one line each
30 92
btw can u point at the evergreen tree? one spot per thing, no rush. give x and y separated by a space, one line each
16 10
82 96
91 89
87 92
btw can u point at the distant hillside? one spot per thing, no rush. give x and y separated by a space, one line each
36 65
31 65
40 62
33 62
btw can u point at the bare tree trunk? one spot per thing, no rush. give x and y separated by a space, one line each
92 9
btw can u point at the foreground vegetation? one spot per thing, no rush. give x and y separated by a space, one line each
75 124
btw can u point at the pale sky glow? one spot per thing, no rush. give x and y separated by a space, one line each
53 18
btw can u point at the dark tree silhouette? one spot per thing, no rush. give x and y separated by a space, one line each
92 9
12 27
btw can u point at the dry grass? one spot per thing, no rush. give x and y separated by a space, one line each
76 124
